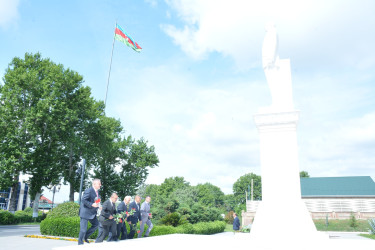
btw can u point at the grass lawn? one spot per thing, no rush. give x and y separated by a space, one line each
228 228
341 226
370 236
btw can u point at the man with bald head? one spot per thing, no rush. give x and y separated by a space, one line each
106 219
133 220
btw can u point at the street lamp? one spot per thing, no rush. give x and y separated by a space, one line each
81 170
55 188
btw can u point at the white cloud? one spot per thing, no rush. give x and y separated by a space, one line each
324 31
8 12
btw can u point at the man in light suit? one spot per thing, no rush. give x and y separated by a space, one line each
88 211
145 218
133 219
236 222
106 219
121 227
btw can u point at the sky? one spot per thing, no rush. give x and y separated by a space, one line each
193 90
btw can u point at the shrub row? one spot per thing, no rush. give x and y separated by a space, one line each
7 218
69 227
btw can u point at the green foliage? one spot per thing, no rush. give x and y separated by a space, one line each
173 219
69 227
353 221
200 213
60 226
229 217
341 226
66 209
371 222
210 195
304 174
240 187
7 218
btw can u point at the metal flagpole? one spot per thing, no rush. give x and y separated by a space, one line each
109 73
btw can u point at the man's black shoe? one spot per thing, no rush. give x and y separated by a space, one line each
87 241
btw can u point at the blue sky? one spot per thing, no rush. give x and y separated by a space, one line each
193 90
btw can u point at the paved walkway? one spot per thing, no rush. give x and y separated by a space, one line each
22 243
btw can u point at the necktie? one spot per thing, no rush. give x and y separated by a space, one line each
96 191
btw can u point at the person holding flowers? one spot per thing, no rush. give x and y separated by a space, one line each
135 216
87 212
122 208
107 220
145 218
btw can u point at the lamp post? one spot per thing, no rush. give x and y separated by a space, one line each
54 188
82 170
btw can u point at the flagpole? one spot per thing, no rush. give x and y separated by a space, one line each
109 73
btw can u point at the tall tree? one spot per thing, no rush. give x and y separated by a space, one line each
27 140
210 195
137 159
108 144
240 187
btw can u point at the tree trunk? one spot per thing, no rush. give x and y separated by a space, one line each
13 196
36 205
71 193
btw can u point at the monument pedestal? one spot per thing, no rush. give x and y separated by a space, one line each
282 215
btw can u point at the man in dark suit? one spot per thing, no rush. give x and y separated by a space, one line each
106 219
236 222
133 219
88 211
121 227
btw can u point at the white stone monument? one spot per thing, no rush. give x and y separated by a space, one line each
282 212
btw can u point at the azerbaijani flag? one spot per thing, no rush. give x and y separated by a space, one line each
121 36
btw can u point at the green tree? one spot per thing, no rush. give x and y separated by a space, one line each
304 174
29 140
210 195
240 187
171 184
107 155
230 202
137 159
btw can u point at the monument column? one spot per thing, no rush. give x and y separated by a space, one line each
282 215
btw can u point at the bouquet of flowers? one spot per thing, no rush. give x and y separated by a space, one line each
120 217
97 200
131 212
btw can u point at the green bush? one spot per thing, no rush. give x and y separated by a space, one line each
229 217
162 230
22 216
66 209
68 227
173 219
7 218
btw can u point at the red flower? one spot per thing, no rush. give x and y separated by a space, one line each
120 221
97 200
127 213
138 231
133 208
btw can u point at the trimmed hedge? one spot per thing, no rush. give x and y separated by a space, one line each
69 227
7 218
66 209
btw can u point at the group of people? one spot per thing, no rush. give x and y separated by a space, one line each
108 226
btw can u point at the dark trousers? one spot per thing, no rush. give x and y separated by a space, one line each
133 228
121 229
84 234
107 227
